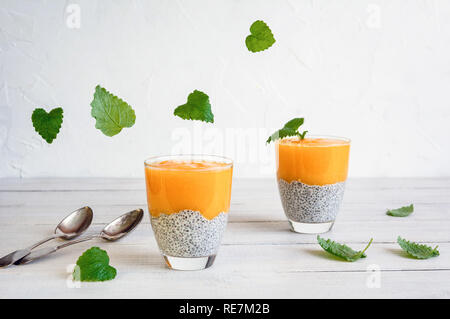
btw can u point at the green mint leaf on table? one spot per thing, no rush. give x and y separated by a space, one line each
93 265
196 108
111 113
342 251
417 250
289 129
47 124
260 38
401 212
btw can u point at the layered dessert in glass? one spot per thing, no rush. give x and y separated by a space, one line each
188 200
311 174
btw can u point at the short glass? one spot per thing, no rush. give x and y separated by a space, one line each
311 176
188 199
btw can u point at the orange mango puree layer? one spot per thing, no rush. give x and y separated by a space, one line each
203 186
313 161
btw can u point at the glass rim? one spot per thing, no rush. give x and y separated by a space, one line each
334 137
213 158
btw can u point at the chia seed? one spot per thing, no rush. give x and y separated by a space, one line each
304 203
188 234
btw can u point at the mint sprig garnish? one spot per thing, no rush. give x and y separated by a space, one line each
302 135
401 212
260 38
418 251
47 124
342 251
111 113
289 129
197 108
93 265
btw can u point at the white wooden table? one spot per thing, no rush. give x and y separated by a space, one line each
259 256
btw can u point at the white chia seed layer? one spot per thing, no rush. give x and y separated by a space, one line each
188 234
310 203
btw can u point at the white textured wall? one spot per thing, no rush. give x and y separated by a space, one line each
375 71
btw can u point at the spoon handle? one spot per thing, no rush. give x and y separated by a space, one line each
17 255
45 240
13 257
76 241
39 253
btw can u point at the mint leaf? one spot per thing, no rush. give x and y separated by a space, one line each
93 265
196 108
47 124
289 129
417 250
302 135
260 38
295 123
111 113
401 212
342 251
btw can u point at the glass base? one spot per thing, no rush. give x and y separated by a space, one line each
186 263
310 228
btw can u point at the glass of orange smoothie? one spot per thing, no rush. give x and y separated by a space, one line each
188 199
311 176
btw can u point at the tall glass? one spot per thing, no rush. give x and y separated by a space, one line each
188 199
311 176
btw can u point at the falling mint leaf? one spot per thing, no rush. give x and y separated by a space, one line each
401 212
260 38
417 250
289 129
342 251
93 265
47 124
111 113
196 108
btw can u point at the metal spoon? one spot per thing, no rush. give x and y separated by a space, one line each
115 230
70 227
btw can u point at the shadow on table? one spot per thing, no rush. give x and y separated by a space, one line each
138 255
399 252
322 254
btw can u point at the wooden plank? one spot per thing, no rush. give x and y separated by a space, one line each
247 258
51 184
258 203
239 272
259 258
71 184
266 233
365 213
241 196
351 232
214 284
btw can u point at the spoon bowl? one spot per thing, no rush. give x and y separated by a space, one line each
122 225
75 223
115 230
70 227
